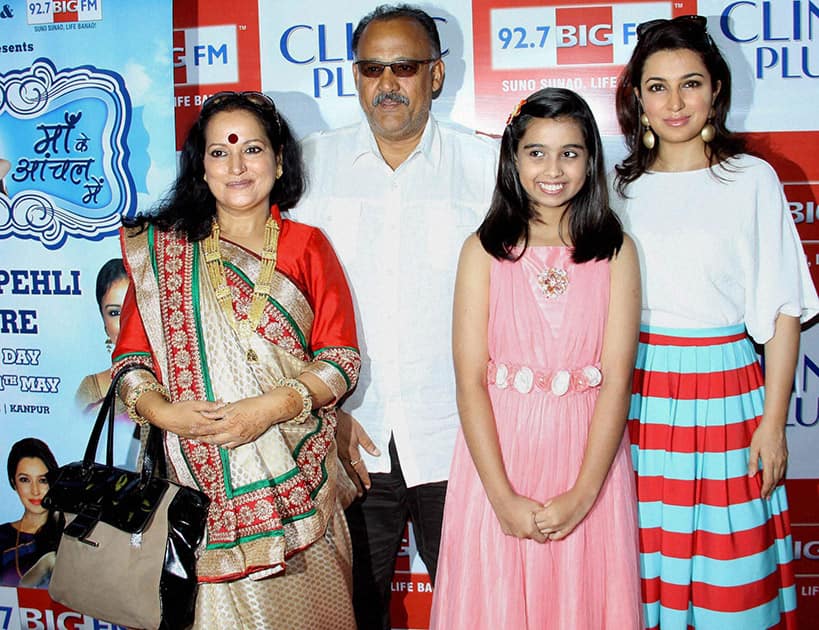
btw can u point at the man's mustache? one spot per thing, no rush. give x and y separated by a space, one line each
395 97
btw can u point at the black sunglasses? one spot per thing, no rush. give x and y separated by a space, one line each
257 98
403 69
698 22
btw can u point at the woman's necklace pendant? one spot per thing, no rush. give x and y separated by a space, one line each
553 282
213 258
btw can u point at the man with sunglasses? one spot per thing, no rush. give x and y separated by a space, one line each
397 195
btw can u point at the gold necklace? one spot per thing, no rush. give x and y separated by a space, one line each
261 290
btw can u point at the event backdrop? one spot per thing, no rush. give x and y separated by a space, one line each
86 130
85 120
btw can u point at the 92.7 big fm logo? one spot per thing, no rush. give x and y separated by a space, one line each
62 11
522 46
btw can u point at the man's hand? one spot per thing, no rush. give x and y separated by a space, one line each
350 435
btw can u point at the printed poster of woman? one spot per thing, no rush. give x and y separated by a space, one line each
111 285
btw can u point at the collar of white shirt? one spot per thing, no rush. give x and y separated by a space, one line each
429 148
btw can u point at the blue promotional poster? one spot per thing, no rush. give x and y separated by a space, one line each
86 137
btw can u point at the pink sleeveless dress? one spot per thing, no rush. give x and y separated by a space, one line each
546 323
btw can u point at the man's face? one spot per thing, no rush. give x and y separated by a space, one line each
403 115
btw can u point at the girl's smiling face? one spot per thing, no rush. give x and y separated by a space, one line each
552 162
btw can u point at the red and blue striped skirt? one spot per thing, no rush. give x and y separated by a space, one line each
713 553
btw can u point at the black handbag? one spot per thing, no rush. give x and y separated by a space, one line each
128 551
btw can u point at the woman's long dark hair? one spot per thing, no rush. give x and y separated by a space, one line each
594 230
678 34
48 535
189 208
108 274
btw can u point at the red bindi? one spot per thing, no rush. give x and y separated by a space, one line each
233 138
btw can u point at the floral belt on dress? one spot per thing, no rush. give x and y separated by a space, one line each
558 382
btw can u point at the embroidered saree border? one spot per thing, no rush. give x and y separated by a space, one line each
263 522
339 365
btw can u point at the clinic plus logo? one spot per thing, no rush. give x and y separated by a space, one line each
782 36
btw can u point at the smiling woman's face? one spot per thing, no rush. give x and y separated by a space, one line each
676 94
240 165
31 484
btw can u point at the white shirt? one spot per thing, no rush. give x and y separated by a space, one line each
717 252
398 235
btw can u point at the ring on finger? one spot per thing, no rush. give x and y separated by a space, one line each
353 462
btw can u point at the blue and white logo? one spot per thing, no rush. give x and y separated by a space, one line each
65 134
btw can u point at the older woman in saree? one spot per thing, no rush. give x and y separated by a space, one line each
241 328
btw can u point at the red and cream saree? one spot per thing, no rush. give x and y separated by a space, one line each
274 498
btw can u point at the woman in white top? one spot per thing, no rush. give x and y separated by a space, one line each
721 261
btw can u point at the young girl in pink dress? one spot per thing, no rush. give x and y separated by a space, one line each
540 525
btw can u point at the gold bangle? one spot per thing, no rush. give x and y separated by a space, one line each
136 392
306 398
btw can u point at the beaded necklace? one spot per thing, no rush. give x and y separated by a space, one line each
261 290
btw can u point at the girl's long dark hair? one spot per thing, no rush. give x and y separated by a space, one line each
679 34
189 208
594 229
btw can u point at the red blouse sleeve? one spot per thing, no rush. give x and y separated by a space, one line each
329 294
333 340
132 343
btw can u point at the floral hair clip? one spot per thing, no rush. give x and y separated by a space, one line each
515 112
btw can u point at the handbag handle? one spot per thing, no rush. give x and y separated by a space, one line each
150 454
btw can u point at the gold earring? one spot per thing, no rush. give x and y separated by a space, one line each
649 139
709 132
109 345
279 170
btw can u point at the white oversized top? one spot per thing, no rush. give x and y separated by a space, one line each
717 247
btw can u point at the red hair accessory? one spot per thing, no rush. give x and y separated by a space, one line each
516 111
